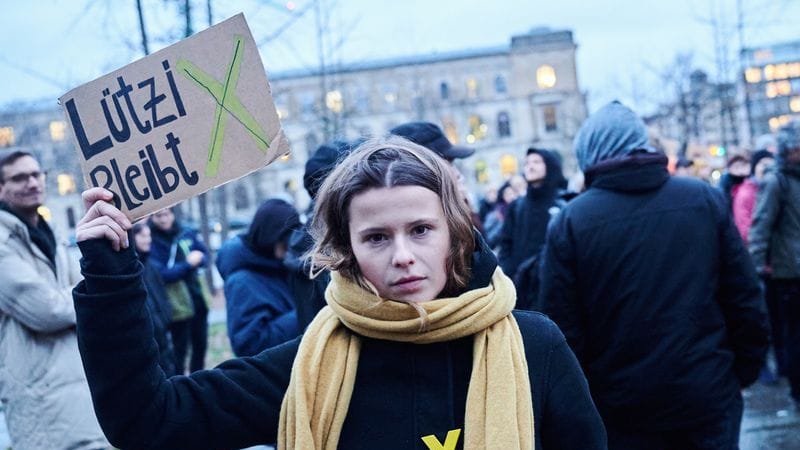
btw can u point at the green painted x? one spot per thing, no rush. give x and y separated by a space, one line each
225 97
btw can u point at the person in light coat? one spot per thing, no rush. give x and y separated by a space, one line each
42 384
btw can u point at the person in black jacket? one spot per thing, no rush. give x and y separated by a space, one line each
259 306
418 347
647 277
157 302
525 225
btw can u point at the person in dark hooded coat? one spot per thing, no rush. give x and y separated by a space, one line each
526 219
309 293
648 278
260 309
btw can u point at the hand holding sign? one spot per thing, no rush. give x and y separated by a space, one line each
177 123
102 220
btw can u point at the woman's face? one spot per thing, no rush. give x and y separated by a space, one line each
401 241
164 219
143 240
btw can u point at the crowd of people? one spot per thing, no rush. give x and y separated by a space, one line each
627 313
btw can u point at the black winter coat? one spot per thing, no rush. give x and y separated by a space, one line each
403 391
648 279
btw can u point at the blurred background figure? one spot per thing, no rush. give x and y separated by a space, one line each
487 202
744 202
736 171
526 219
774 241
259 304
309 293
157 301
493 222
179 255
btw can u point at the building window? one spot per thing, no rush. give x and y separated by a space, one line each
550 119
794 104
390 97
477 129
444 91
307 104
503 124
6 136
752 75
778 88
362 101
500 84
450 129
472 88
508 166
334 101
65 183
545 77
57 128
71 222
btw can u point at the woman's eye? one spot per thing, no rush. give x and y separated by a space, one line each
375 238
420 229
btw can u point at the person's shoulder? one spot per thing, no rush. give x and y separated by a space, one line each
537 328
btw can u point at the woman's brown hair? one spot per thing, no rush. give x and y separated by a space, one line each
385 163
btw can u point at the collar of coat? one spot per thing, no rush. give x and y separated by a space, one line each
636 172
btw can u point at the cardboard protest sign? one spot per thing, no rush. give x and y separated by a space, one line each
179 122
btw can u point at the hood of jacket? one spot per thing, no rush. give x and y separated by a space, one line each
235 255
554 178
612 132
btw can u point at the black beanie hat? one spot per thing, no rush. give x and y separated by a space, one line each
758 156
322 162
273 222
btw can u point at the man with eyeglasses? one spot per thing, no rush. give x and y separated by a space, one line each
42 384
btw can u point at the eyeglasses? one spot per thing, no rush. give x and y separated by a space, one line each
24 177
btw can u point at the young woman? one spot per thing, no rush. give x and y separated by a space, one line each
418 347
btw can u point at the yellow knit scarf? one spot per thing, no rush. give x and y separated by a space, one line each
499 411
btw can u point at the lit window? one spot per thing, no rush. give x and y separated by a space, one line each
57 128
481 171
503 125
508 165
472 88
66 184
545 77
794 104
781 72
793 70
44 211
477 129
550 119
784 87
450 130
769 72
6 136
500 84
334 102
771 90
389 97
444 91
753 75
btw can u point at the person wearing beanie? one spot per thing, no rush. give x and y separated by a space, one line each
774 241
649 281
308 293
744 198
736 171
260 309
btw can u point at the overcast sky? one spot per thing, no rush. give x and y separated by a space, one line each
49 46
